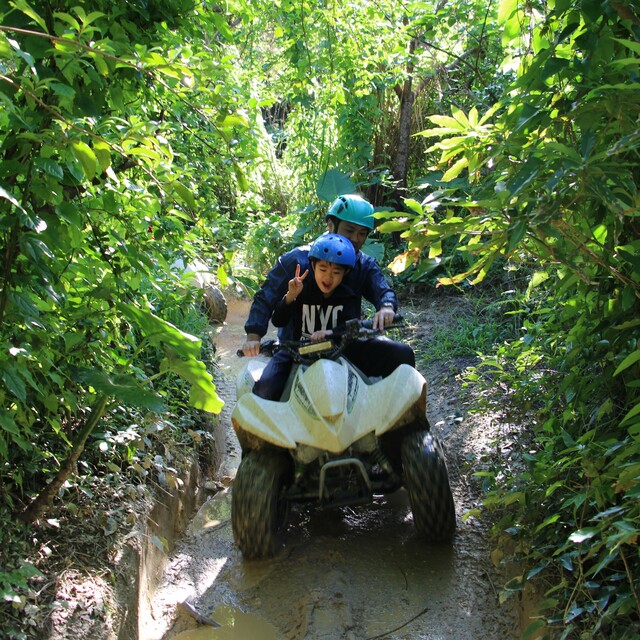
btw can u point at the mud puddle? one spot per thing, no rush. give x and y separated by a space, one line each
353 573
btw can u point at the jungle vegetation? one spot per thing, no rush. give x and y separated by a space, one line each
500 143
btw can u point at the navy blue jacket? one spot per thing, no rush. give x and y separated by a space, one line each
311 311
364 280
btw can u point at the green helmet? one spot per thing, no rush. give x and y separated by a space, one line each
352 208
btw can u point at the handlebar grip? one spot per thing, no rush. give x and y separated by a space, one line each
368 324
240 353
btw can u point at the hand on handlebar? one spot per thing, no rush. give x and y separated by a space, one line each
318 336
251 346
383 318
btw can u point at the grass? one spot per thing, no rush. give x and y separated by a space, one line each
473 326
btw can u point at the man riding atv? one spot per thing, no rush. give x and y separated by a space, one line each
350 216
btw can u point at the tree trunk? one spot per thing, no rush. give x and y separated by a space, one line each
44 499
401 161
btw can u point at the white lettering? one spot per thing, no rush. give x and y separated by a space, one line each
308 319
324 317
327 318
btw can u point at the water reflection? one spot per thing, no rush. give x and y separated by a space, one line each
234 625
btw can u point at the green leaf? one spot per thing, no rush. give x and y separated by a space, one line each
25 7
103 154
222 26
538 278
8 423
243 184
630 44
87 158
455 170
62 89
124 387
233 120
631 414
414 205
14 383
51 167
506 9
161 332
7 196
145 152
334 183
448 123
202 394
392 225
185 194
583 534
516 234
4 453
632 358
68 19
533 629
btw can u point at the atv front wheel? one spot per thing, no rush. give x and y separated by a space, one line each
258 507
427 482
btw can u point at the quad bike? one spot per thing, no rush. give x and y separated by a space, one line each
335 438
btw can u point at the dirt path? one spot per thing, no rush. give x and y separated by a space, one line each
353 573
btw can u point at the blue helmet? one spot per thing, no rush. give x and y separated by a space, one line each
334 248
352 208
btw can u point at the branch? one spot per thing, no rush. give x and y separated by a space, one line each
138 66
44 499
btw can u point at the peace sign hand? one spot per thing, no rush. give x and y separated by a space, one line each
295 285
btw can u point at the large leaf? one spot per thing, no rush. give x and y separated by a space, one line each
632 358
334 183
202 394
160 332
123 387
86 156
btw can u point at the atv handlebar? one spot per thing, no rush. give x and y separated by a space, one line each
304 351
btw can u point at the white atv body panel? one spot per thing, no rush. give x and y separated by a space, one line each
330 406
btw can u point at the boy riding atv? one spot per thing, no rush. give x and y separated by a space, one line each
332 435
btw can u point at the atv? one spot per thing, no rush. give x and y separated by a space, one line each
335 438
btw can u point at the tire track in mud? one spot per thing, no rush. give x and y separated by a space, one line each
353 573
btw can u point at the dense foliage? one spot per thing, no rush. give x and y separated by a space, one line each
136 134
548 177
96 202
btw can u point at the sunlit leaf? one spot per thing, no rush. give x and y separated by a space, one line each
124 387
87 158
455 170
25 7
161 332
185 194
401 262
583 534
202 394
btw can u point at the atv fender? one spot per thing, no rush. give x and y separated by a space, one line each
331 406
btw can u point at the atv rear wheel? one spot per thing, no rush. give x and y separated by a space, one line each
427 482
258 507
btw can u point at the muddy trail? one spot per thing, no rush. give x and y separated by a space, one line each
352 573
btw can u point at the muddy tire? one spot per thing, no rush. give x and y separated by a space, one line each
427 482
258 507
215 304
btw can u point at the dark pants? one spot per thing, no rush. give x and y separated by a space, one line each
374 357
379 356
274 377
